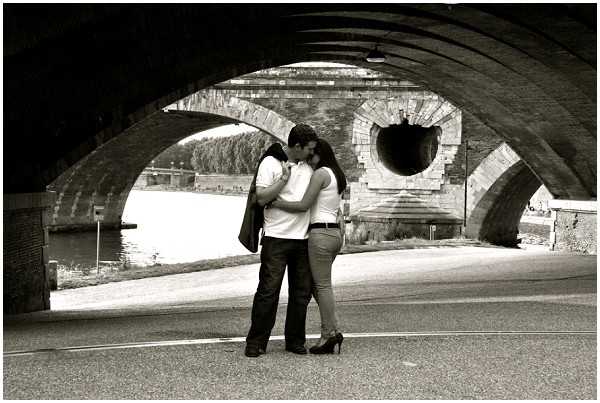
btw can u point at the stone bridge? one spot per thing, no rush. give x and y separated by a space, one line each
349 106
88 86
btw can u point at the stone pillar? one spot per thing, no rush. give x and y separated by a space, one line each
574 226
26 251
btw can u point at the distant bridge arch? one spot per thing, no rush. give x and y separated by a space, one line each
107 176
497 193
218 102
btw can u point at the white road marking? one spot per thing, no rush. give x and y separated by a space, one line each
409 364
579 299
310 336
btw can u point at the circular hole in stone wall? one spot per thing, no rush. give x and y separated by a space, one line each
407 149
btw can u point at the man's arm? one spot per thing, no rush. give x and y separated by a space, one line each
266 194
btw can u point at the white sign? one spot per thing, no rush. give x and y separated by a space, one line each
98 213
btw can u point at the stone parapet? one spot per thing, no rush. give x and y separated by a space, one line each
291 76
573 226
223 182
589 206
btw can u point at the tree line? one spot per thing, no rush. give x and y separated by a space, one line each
234 155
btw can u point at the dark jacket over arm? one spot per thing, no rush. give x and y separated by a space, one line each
254 214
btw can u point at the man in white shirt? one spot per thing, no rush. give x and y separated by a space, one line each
284 243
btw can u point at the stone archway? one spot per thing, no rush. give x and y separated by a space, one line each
218 102
106 176
497 193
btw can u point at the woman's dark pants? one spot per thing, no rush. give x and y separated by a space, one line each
276 254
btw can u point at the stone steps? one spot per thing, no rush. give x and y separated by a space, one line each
407 208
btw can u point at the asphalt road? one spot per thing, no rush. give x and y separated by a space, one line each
456 323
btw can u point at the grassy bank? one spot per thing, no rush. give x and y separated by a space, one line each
70 278
189 189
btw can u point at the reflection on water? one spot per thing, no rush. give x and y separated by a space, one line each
173 227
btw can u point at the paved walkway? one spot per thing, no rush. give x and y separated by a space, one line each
434 265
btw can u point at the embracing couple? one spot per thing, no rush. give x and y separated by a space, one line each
296 194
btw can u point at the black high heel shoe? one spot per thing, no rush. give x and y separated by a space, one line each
329 346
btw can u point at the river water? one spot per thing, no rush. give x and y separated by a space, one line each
173 227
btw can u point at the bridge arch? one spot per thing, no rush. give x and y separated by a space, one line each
107 176
219 102
497 193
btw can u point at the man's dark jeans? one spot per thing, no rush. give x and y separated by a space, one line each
276 253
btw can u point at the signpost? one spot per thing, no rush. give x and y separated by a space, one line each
98 216
464 228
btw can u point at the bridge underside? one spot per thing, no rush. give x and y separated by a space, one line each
86 75
528 72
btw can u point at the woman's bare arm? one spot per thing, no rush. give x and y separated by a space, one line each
318 181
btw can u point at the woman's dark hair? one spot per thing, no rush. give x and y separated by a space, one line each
327 159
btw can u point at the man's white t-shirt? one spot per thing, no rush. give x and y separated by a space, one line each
279 223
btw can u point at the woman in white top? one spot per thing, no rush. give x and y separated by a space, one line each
323 198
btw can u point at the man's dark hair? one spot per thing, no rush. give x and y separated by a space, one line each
301 134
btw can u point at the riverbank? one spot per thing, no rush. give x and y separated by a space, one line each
168 188
108 274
